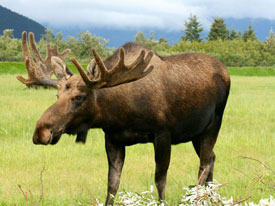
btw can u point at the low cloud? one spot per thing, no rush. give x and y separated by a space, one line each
161 14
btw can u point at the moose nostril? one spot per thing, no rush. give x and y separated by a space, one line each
34 141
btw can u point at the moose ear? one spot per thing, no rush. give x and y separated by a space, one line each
93 70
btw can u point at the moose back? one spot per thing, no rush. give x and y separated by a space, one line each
137 96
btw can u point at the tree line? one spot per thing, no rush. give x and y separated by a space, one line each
229 46
11 48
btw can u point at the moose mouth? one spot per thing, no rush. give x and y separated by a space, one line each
54 138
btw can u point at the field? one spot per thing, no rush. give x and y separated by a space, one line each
248 130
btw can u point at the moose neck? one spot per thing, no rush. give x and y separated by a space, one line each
109 107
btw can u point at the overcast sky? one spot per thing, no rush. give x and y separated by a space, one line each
161 14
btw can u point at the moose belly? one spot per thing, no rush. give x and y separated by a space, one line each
129 137
192 125
183 128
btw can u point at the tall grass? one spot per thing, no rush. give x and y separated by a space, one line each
247 130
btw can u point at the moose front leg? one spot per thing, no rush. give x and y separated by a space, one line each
81 137
116 156
162 146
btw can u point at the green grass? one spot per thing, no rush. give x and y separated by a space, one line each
248 130
19 68
12 68
251 71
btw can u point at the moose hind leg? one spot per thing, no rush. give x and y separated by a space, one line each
204 145
162 146
116 156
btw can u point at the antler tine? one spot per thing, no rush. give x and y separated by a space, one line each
147 60
64 54
55 49
148 57
35 51
30 69
138 60
49 52
138 68
120 63
100 64
28 82
29 63
80 69
30 66
25 48
144 73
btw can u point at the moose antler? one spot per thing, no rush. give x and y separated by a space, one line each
120 73
41 70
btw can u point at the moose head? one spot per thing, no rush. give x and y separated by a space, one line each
76 109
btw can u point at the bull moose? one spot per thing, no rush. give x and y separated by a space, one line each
137 96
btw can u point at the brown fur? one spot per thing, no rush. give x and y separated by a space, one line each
181 100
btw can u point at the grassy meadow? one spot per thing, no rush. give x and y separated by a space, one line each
248 130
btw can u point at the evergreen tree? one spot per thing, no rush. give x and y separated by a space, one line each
250 34
232 34
269 43
163 40
218 30
152 35
192 29
239 35
140 38
8 33
48 36
59 36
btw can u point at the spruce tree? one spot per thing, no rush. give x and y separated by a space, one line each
250 34
152 35
192 29
8 33
232 34
140 38
239 36
163 40
218 30
269 43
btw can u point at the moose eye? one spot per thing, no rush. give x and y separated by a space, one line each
78 98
